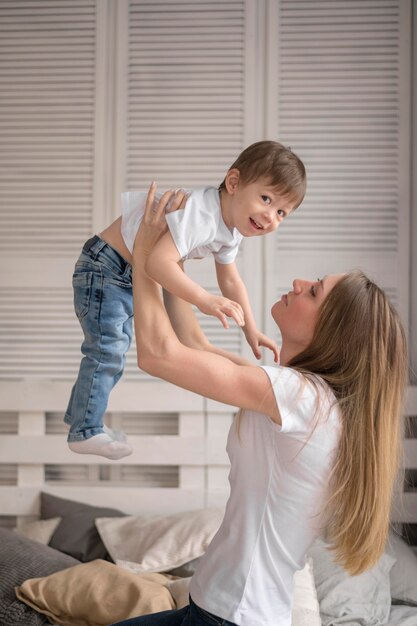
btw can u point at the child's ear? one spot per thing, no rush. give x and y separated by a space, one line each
232 180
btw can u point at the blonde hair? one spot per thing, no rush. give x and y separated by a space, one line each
359 349
279 165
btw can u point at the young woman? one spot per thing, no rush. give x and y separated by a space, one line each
314 449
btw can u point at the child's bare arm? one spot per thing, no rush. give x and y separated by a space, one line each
163 266
232 286
189 331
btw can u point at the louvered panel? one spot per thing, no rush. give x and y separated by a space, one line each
47 77
40 336
68 474
8 474
150 476
139 475
339 107
145 423
54 424
185 91
8 423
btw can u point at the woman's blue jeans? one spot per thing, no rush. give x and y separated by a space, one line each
190 615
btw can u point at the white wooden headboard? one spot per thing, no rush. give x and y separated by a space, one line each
179 460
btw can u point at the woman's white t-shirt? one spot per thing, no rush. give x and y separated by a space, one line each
278 479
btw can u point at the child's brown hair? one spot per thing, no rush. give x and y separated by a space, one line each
283 169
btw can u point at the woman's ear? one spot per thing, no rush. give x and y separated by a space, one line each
232 180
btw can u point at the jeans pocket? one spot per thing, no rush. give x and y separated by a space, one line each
81 283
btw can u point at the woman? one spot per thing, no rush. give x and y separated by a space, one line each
315 448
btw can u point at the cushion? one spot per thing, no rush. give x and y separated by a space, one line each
22 558
97 593
41 530
159 543
403 575
76 534
364 599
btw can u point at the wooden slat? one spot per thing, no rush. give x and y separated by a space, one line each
161 450
26 500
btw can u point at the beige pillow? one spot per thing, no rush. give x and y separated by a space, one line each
95 594
40 530
158 543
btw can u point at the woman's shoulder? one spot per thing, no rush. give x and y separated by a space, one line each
299 385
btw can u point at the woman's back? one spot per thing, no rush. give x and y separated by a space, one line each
279 479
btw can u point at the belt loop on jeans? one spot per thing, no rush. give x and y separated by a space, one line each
91 242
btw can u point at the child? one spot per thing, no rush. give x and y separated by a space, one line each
262 187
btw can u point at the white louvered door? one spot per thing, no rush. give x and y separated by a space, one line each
50 116
183 115
339 95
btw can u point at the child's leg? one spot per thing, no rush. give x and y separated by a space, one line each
104 307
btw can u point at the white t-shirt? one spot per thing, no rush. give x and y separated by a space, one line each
198 230
278 480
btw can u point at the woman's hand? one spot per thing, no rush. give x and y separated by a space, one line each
154 225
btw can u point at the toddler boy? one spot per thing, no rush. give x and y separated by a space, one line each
262 187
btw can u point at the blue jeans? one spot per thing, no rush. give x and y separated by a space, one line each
103 302
190 615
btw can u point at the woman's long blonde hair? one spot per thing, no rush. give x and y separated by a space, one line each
359 349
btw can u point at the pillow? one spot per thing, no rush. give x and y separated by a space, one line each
95 594
364 599
22 558
76 534
41 530
159 543
403 575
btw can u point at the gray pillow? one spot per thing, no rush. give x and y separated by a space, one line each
403 575
76 534
20 559
363 600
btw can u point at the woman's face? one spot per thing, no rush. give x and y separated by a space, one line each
297 312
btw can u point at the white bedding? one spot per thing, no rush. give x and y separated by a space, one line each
403 616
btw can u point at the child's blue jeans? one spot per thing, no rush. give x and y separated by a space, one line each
190 615
103 303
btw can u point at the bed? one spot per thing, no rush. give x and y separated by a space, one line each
127 536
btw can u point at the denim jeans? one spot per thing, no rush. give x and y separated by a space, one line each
190 615
103 302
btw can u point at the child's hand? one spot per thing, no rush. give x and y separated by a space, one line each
221 307
256 339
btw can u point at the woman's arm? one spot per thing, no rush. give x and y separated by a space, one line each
162 354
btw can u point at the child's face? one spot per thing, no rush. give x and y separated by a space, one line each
256 209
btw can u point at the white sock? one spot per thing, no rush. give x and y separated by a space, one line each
116 435
102 445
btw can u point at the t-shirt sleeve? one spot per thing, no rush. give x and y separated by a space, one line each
188 228
298 400
226 254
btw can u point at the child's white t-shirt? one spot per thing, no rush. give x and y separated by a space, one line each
278 484
198 230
